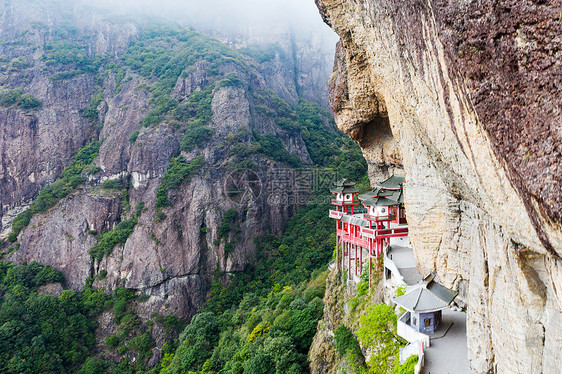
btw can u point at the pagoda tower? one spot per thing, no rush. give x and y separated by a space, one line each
345 196
345 200
385 205
386 200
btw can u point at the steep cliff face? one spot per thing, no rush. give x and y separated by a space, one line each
463 97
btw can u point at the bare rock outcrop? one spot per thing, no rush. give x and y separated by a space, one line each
462 95
61 238
194 80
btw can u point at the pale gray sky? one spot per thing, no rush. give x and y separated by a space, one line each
301 13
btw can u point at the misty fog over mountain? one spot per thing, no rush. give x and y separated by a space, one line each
222 17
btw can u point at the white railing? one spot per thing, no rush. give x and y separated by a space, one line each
421 361
413 349
409 333
391 265
410 349
335 214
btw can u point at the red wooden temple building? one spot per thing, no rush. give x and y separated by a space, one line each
363 233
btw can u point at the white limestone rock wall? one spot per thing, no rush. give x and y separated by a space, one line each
468 222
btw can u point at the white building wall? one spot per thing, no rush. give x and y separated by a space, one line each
382 211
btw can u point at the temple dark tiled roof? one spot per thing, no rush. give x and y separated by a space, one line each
344 189
426 296
394 182
355 220
383 196
344 186
344 183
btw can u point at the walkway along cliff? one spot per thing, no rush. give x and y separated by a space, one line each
463 97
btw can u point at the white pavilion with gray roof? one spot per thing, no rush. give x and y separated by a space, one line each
425 301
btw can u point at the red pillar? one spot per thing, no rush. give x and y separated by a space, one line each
357 247
337 253
337 244
360 260
349 264
369 272
357 250
355 258
344 252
